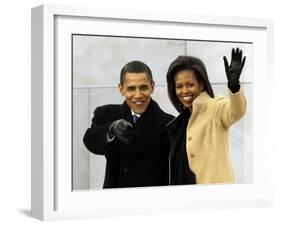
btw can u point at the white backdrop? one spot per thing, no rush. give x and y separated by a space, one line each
15 112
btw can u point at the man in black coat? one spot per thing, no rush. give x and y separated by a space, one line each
132 136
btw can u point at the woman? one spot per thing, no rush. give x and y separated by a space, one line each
199 135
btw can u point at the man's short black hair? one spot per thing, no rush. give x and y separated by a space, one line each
135 67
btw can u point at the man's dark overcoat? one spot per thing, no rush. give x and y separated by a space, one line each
143 162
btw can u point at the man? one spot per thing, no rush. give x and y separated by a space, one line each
137 153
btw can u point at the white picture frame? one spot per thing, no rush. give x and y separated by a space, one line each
52 196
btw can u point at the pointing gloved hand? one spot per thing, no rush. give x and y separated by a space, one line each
233 71
122 130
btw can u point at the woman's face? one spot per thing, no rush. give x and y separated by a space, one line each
187 87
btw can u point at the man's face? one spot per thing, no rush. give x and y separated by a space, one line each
137 90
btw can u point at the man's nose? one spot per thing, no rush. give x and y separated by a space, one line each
138 93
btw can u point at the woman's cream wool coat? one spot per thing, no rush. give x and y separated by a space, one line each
208 136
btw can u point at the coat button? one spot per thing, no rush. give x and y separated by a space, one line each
189 138
125 170
192 155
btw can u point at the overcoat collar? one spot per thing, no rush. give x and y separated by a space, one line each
150 126
199 105
177 122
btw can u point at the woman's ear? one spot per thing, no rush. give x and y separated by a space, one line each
201 86
152 86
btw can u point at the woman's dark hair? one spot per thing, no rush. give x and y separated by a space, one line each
182 63
135 67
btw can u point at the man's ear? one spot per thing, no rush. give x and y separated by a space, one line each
120 89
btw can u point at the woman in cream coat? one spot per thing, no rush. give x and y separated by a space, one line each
200 134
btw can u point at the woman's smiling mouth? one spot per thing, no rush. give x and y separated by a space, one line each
187 98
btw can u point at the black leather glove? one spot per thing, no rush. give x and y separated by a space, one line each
122 130
233 71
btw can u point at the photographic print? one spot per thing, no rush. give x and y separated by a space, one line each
97 62
144 113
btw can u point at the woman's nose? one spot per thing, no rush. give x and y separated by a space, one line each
185 89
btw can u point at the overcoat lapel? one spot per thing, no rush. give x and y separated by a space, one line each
177 128
126 112
148 129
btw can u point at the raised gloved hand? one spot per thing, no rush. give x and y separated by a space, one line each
233 71
122 130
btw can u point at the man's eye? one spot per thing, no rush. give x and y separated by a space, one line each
143 88
130 89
